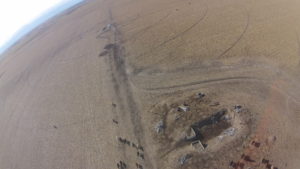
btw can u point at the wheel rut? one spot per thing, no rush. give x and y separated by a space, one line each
128 107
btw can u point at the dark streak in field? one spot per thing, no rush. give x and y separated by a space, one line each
203 81
238 39
2 74
185 31
133 37
103 53
162 44
298 43
123 91
138 16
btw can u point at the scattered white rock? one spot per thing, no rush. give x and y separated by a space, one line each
159 126
107 28
190 134
227 117
198 146
200 95
237 108
183 108
228 132
271 139
183 159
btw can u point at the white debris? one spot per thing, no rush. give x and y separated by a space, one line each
183 108
177 117
108 27
159 126
237 108
190 134
227 117
271 139
200 95
220 137
198 146
183 159
228 132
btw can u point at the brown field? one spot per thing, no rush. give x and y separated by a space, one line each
86 89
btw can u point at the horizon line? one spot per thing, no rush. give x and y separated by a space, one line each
44 17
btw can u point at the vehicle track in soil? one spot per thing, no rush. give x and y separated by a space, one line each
176 36
123 91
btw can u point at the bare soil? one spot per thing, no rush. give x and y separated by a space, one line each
88 88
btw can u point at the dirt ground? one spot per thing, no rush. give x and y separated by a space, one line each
87 89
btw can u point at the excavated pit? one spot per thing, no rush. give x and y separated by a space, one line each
208 128
195 126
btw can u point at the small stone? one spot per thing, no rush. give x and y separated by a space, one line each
237 108
183 159
159 126
200 95
227 117
107 28
183 108
271 139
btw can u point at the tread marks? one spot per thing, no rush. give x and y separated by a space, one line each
175 36
133 37
121 82
238 39
298 45
202 82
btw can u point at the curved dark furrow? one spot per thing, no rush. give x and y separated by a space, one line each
175 36
202 82
238 39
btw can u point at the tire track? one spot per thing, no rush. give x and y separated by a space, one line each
138 16
175 36
121 80
298 45
238 39
133 37
122 88
202 82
